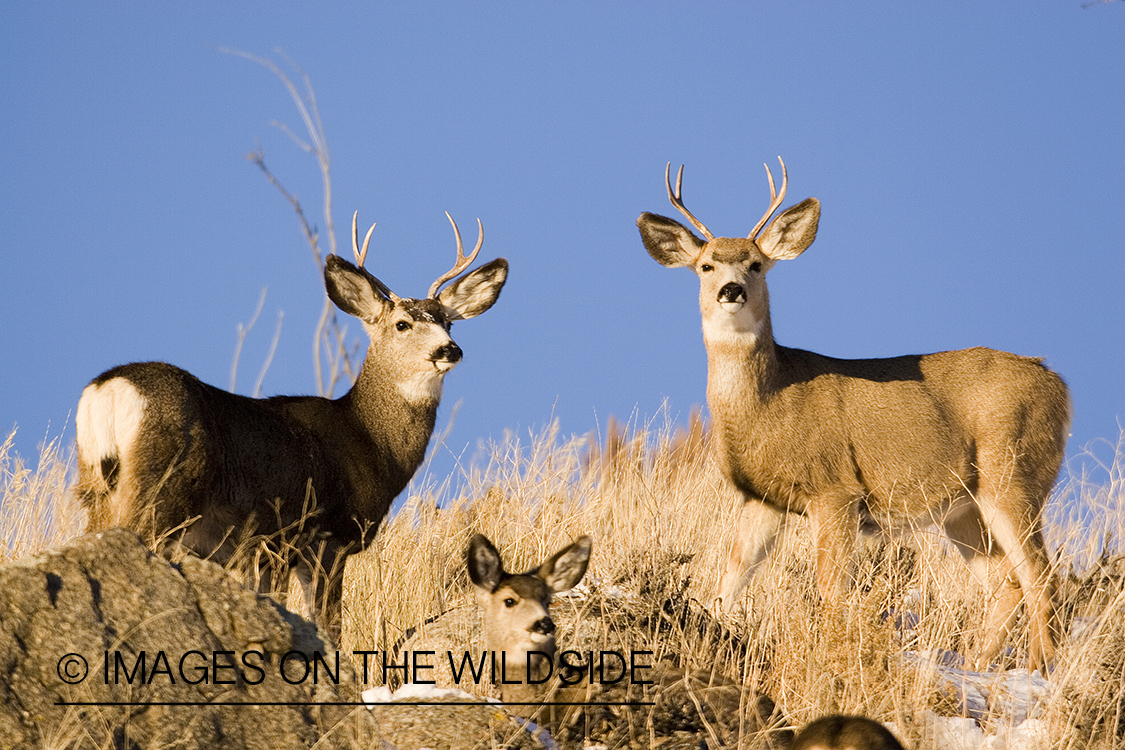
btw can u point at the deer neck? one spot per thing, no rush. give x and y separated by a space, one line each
742 365
399 427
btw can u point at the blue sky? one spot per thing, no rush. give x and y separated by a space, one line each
968 156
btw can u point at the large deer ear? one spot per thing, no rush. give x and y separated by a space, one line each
470 295
483 562
668 241
563 570
792 231
354 290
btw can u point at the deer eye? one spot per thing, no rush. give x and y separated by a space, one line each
509 602
707 268
402 325
756 266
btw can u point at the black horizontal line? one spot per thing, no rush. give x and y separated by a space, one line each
346 703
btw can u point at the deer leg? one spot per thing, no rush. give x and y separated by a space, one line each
1000 562
965 528
1024 561
835 526
1014 483
755 533
1003 608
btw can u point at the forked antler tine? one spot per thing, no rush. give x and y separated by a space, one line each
360 255
775 197
678 202
462 262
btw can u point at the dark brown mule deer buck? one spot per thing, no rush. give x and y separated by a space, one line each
969 440
159 450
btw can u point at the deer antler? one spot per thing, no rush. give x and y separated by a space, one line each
462 262
775 198
360 255
678 202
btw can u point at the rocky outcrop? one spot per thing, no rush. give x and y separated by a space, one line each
103 643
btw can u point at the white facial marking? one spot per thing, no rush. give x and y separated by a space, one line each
443 367
731 307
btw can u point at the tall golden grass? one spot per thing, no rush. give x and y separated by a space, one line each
36 511
661 516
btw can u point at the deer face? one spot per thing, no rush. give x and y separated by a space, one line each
515 607
410 337
733 298
414 344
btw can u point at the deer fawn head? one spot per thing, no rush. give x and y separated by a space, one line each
516 607
412 335
732 270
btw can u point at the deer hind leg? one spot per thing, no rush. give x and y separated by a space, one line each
755 533
1015 482
1015 525
1013 569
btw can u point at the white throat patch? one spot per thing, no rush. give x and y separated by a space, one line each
424 387
734 323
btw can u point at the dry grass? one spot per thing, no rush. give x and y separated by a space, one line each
661 517
36 511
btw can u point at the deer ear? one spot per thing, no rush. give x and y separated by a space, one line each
471 295
566 567
668 241
354 290
483 562
792 231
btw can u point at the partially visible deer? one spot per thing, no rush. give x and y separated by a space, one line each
159 450
514 622
971 440
839 732
515 608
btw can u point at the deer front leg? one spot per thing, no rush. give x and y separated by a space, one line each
755 533
835 526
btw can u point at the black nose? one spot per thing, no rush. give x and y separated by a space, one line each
448 353
732 292
543 626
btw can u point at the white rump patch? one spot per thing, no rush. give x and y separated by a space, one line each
109 419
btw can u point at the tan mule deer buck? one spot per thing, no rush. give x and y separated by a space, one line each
969 440
159 450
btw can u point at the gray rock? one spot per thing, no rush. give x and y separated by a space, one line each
143 631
